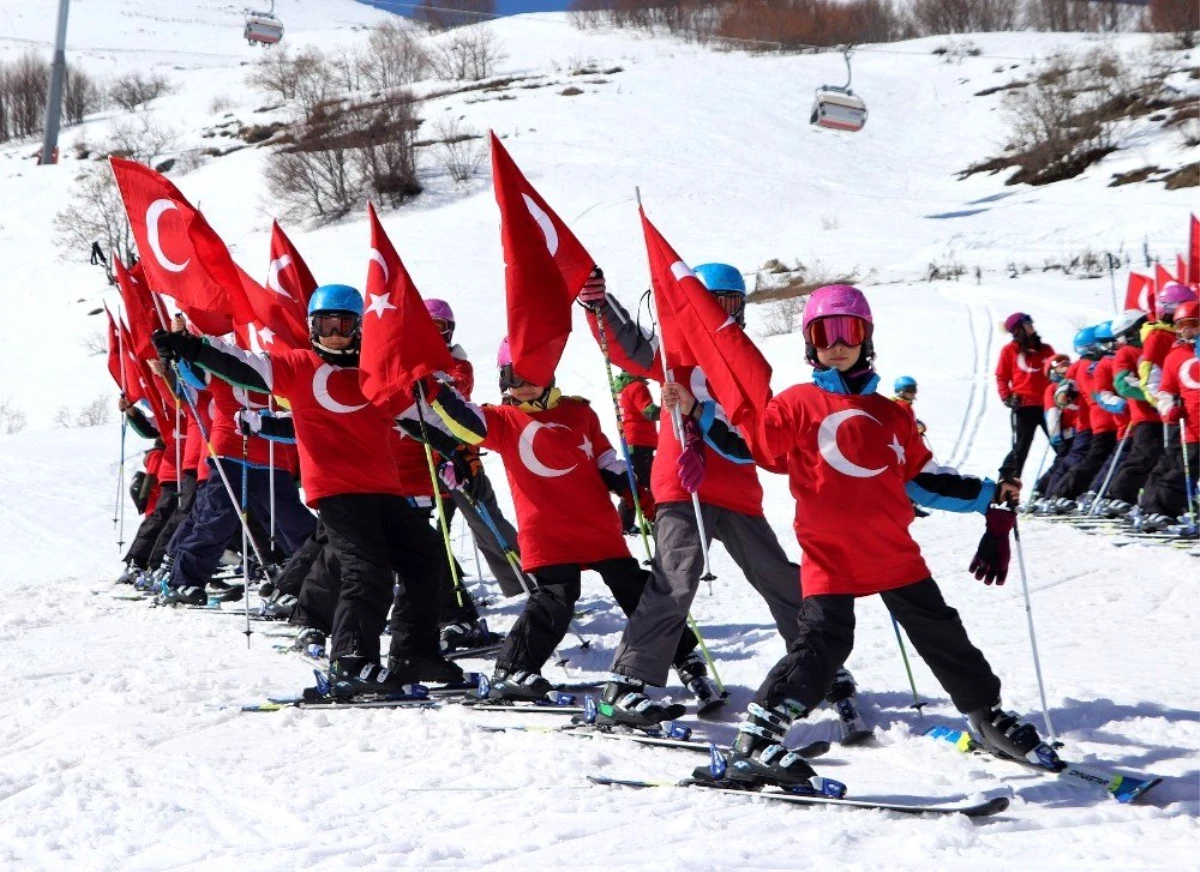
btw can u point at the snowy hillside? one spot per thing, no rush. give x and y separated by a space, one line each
121 746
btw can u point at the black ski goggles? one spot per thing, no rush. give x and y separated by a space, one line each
326 324
509 379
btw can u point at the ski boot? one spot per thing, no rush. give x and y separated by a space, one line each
191 595
623 703
419 667
357 675
1004 734
130 575
1153 523
1083 504
759 757
465 635
1115 509
307 639
693 672
518 685
841 695
280 606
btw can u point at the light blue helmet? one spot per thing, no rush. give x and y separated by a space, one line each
1084 340
905 383
720 278
1104 332
335 298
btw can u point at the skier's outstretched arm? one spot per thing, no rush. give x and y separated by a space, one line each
240 368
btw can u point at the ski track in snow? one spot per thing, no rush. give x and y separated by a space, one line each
121 746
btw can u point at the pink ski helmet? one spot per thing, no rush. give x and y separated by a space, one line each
1015 320
1171 295
836 300
439 309
504 355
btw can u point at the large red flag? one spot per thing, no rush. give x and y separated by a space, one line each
545 267
739 374
400 343
182 255
289 274
1193 273
139 309
275 317
1139 293
116 360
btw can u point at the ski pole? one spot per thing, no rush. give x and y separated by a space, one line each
1187 479
271 475
917 703
1037 662
1094 509
437 497
246 530
121 487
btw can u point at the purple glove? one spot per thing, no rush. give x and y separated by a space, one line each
450 477
690 465
990 563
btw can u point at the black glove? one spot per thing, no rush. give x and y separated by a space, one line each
177 346
1013 402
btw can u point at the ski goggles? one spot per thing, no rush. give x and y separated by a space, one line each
732 303
509 379
446 328
906 392
834 329
326 324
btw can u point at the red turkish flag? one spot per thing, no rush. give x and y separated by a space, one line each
1162 277
400 343
545 267
1139 294
702 332
289 274
181 254
116 358
1193 273
137 374
140 311
1180 269
277 323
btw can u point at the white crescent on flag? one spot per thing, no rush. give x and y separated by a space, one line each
544 222
153 215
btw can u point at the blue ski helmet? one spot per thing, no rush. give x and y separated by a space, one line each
720 278
1084 340
1104 332
905 383
335 298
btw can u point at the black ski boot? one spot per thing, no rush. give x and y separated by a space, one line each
421 667
280 606
358 675
465 635
841 695
1003 733
623 703
693 672
184 596
759 757
307 639
518 685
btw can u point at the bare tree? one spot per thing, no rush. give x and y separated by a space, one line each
95 214
395 57
386 150
137 88
28 81
12 419
470 53
303 80
81 95
460 147
141 138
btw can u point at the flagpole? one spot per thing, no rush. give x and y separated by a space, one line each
677 422
119 510
271 473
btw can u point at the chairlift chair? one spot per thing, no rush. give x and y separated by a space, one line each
839 108
263 28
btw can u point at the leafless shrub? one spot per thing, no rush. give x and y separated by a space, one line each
140 138
385 150
95 343
95 214
63 419
347 65
302 80
783 316
26 82
138 88
394 58
470 53
12 419
219 104
81 95
460 148
94 413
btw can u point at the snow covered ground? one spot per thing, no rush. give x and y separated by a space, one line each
120 743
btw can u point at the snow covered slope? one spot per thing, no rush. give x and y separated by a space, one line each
120 745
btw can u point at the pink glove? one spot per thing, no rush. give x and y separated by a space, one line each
594 289
450 477
691 465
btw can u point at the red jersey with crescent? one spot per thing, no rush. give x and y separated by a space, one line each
730 485
1023 373
849 458
637 429
1181 377
1126 360
564 511
344 441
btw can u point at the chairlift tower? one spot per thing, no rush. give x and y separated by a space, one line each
58 72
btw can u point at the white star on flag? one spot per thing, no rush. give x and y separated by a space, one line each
380 304
266 335
898 448
586 448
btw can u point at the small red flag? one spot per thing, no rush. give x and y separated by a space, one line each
276 316
545 267
1162 277
289 274
139 310
1193 263
1180 269
400 343
1139 293
116 359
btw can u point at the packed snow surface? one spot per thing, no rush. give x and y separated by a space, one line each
121 743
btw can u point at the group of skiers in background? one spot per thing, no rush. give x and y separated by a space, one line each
358 552
1121 419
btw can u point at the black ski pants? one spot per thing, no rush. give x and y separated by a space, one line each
372 536
827 637
1166 489
183 508
1025 423
641 460
142 547
548 611
1143 450
455 602
291 577
1080 476
1077 450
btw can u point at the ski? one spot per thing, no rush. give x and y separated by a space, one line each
855 730
914 806
1122 788
467 653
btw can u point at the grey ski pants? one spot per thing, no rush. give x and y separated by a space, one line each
652 634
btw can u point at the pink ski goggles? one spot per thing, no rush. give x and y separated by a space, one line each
829 331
